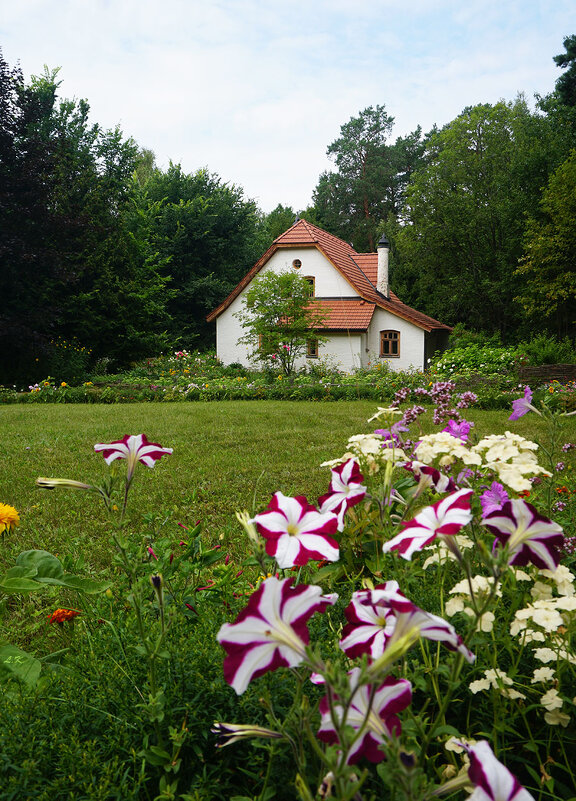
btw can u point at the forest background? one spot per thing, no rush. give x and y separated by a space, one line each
107 256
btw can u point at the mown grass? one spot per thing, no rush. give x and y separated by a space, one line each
227 456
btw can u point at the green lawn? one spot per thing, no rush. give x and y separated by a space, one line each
227 456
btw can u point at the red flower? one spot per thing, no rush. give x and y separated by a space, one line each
61 615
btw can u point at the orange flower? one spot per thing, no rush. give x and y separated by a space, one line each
61 615
524 494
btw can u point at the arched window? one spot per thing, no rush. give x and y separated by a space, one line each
389 344
312 281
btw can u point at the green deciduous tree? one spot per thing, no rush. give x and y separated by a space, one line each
280 318
548 269
456 256
207 236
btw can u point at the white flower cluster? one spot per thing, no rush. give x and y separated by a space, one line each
499 680
444 449
442 552
481 586
547 621
368 451
511 457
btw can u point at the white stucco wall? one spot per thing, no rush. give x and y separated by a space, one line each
346 350
411 341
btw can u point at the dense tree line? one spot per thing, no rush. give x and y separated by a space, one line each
104 256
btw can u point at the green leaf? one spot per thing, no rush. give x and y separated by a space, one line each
18 664
47 566
10 585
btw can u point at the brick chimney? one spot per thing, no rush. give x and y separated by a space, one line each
382 276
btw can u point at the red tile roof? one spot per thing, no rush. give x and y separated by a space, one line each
348 314
358 269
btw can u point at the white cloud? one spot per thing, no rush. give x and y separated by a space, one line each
257 89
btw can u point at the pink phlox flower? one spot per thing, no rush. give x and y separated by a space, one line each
296 532
271 630
375 716
529 536
346 490
522 406
493 499
376 617
466 399
430 477
444 518
493 781
134 448
459 430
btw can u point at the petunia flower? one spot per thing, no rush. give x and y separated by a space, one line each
374 715
493 499
380 618
492 780
522 406
296 532
135 448
229 733
429 476
271 631
528 535
459 430
444 518
346 490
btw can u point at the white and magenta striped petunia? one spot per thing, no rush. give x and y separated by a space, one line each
376 718
346 490
371 620
429 476
296 532
135 448
444 518
491 779
528 535
271 631
379 617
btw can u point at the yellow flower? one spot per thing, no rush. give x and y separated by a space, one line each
63 384
9 517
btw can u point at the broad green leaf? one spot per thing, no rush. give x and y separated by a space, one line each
16 584
18 664
47 565
87 585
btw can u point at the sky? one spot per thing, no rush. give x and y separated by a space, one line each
256 90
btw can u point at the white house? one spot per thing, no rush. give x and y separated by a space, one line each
364 321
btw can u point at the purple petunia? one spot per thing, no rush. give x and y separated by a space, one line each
493 499
522 406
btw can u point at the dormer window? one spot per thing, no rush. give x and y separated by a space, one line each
312 281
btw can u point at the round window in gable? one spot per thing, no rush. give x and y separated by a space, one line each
296 264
